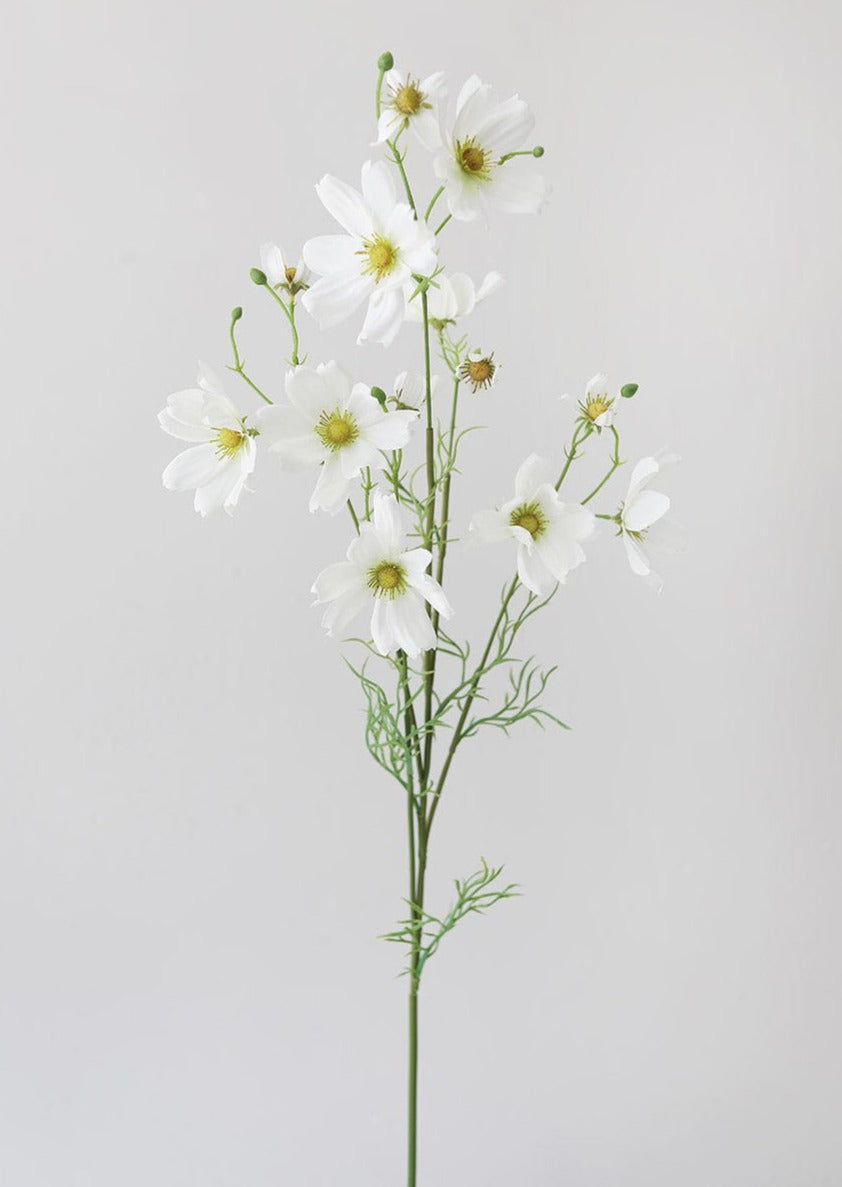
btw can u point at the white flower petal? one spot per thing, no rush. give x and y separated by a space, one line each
289 435
432 592
335 581
491 283
637 558
645 469
506 128
427 128
183 419
333 298
341 612
379 189
389 521
517 189
272 263
332 488
646 507
534 472
192 468
384 317
224 488
468 87
559 554
491 527
346 205
209 381
532 571
392 430
327 254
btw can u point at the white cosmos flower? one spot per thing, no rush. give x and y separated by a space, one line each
547 531
223 452
329 423
383 575
642 518
406 102
451 297
484 131
280 271
411 389
383 247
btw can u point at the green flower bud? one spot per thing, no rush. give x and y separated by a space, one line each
385 62
257 276
628 390
379 395
236 313
538 150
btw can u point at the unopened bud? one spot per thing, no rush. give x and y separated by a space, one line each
538 150
257 276
236 313
385 62
628 390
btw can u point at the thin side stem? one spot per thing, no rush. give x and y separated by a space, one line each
432 203
580 435
466 708
289 312
615 465
238 367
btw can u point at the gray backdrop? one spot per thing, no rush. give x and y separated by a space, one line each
196 855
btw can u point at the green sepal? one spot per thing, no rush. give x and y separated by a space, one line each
380 396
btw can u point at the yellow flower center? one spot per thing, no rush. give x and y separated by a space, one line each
473 159
229 442
289 273
478 370
388 578
408 99
336 429
530 517
595 407
380 257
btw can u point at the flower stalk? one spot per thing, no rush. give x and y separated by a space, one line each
386 457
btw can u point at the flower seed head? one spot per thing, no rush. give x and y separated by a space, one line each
478 370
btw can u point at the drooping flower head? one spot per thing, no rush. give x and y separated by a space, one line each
450 298
223 452
385 577
281 272
642 518
548 532
407 102
383 247
330 424
471 164
410 389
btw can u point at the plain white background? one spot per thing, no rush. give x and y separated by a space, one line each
196 855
